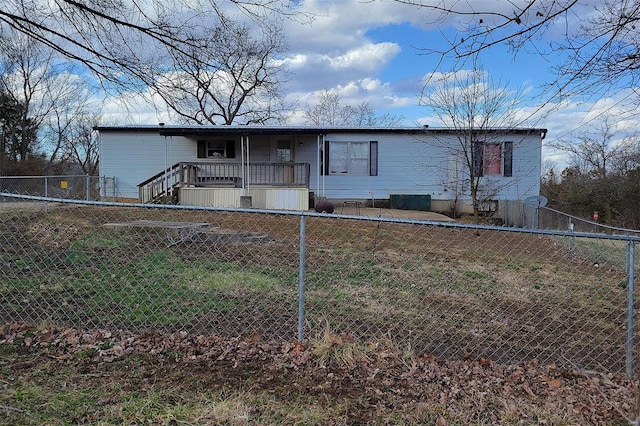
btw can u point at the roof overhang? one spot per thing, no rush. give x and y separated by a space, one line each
204 131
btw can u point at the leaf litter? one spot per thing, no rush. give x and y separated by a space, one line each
379 382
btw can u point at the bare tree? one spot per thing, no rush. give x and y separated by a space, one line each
232 78
81 144
472 104
598 162
597 42
331 111
119 41
25 74
51 97
67 133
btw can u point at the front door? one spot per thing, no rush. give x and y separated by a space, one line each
282 149
282 152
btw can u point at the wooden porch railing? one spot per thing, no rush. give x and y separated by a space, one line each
214 175
160 185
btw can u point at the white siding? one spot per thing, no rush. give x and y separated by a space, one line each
133 157
407 164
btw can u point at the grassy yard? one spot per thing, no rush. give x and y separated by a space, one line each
439 290
404 323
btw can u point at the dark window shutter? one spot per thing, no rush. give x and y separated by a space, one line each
230 149
477 158
326 158
373 158
508 159
202 149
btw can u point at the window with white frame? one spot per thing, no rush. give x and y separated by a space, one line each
351 158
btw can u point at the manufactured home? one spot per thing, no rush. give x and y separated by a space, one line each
276 167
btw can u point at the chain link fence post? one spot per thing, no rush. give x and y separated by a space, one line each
301 279
630 304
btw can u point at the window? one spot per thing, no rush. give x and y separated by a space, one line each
216 149
492 159
351 158
283 151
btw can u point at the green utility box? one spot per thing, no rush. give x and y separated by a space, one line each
411 202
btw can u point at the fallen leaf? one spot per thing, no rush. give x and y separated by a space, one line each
254 338
527 389
46 335
297 347
554 384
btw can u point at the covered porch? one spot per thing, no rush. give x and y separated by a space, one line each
283 185
236 167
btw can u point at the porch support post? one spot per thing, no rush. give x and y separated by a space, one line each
247 168
324 149
318 165
242 161
245 198
166 167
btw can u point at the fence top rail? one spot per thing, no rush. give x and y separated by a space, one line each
48 176
590 222
601 236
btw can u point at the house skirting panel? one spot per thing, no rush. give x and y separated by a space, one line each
261 197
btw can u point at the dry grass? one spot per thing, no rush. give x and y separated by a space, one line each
441 290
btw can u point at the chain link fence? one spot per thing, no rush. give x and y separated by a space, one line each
74 187
448 289
526 215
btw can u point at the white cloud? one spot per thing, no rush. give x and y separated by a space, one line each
337 52
368 57
133 108
321 70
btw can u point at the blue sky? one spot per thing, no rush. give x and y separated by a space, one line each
374 51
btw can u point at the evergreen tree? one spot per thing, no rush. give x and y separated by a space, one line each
18 135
